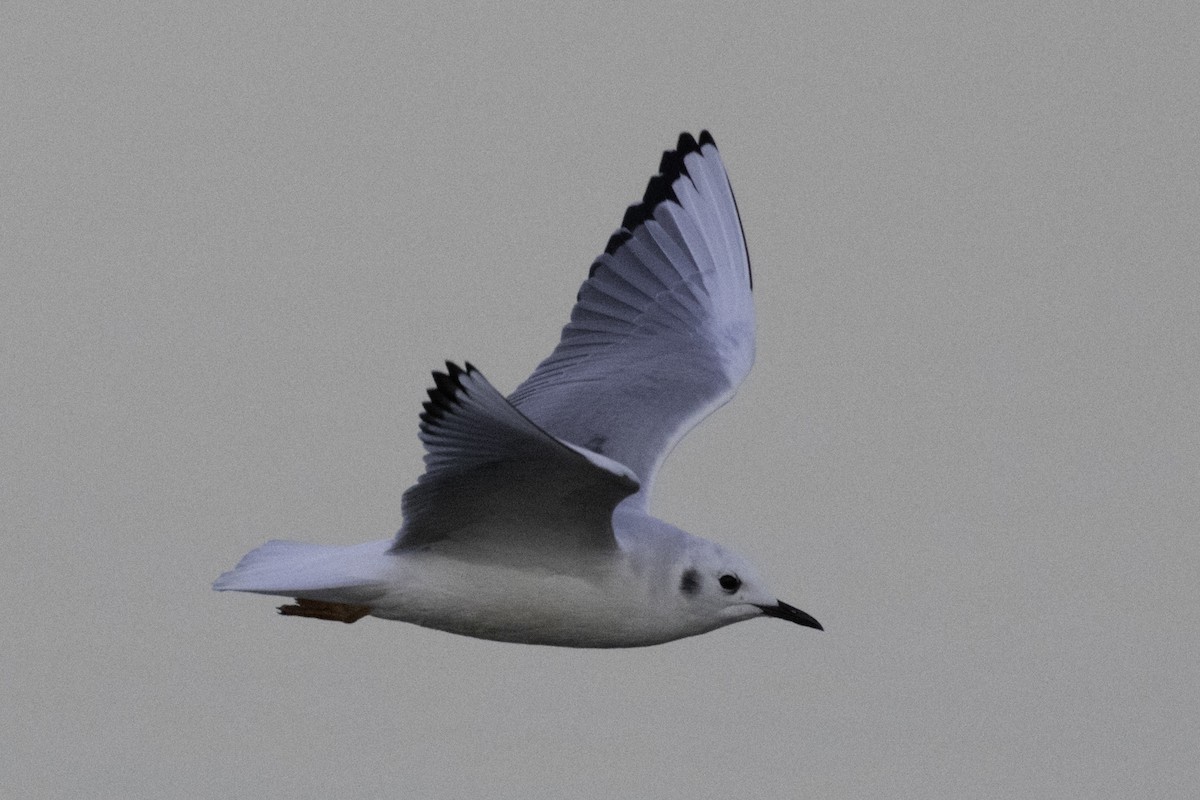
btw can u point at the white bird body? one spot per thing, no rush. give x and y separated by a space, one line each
530 524
625 598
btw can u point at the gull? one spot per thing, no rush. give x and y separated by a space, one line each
530 523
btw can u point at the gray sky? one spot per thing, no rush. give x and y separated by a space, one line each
236 241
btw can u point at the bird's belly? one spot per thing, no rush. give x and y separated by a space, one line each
530 606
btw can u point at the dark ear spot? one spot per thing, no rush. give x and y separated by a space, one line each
690 582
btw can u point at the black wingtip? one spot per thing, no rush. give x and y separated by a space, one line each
659 188
614 243
445 391
686 144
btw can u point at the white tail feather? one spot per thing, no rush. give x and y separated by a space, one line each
316 571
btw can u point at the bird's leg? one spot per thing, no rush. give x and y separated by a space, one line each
322 609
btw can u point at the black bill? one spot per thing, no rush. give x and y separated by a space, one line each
782 610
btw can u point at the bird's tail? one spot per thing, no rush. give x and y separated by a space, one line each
313 571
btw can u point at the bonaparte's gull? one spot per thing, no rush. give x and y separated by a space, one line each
530 523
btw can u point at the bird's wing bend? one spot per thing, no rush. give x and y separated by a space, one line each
662 332
491 474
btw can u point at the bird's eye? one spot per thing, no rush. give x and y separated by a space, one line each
730 583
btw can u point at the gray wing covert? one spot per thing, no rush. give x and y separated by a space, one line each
492 474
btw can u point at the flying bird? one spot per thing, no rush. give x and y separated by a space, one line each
530 523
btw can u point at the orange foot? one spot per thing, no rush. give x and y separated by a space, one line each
321 609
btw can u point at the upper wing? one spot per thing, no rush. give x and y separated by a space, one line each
662 332
492 474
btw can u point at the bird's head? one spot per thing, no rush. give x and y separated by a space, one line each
718 584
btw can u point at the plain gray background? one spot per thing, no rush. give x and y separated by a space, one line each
235 241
